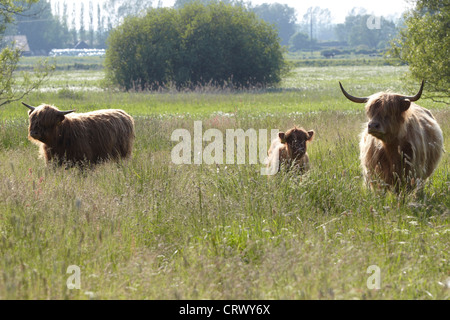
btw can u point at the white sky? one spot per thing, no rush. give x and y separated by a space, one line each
339 8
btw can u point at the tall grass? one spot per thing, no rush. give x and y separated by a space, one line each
150 229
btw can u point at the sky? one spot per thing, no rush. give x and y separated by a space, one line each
339 8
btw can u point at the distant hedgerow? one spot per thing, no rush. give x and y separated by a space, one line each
195 45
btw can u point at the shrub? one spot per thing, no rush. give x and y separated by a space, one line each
424 43
69 94
194 45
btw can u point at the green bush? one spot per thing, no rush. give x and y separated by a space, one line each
196 45
69 94
424 43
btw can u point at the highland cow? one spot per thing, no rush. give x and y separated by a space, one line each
290 149
401 144
80 138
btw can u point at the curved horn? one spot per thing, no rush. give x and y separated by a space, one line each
417 96
28 106
66 112
352 98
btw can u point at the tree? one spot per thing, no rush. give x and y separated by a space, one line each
319 20
82 30
91 23
11 89
102 33
64 25
117 10
424 44
281 16
43 30
73 27
300 41
143 51
194 45
181 3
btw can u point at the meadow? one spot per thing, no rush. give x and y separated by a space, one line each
150 229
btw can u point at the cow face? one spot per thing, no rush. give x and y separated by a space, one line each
385 113
295 140
43 123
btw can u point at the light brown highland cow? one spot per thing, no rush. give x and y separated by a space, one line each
290 149
401 144
80 138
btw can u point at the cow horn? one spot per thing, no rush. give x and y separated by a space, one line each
417 96
28 106
352 98
66 112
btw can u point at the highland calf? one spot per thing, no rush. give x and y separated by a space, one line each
401 144
290 149
80 138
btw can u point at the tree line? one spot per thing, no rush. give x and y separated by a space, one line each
67 24
223 44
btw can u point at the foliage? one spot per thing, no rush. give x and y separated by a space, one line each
281 16
329 53
317 23
194 45
424 44
12 89
9 9
117 10
301 41
43 30
142 51
181 3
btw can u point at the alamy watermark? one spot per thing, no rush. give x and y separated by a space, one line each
74 281
373 23
231 147
374 281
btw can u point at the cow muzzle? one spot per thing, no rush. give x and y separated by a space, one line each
374 128
35 135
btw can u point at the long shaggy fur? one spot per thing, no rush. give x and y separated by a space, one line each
406 147
290 148
77 138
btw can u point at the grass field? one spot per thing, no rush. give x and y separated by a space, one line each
150 229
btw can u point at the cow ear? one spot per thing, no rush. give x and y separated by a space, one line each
310 134
60 117
282 137
62 114
404 105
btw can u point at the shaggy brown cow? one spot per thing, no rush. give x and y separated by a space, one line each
290 149
401 144
80 138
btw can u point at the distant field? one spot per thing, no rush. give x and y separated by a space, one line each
64 62
304 89
150 229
